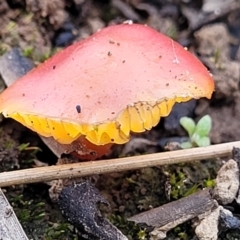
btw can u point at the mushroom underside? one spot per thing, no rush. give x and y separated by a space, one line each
136 117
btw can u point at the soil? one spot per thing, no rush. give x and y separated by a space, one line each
210 30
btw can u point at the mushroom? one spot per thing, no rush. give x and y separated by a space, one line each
94 93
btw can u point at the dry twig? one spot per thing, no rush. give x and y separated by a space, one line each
10 228
115 165
170 215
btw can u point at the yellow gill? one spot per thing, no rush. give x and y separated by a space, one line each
135 118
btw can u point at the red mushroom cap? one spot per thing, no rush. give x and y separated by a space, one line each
121 79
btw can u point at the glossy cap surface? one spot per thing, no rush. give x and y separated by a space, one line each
121 79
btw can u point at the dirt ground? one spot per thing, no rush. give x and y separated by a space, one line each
210 29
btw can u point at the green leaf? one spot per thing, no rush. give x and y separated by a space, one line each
23 146
195 137
203 142
185 145
204 126
188 124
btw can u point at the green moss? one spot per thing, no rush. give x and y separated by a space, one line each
131 230
39 219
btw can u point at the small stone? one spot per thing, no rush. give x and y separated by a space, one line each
228 220
227 182
208 227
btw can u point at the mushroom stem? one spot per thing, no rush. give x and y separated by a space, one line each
115 165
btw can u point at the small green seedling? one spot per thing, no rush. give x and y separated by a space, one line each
198 133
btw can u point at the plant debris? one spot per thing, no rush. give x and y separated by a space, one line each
79 205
